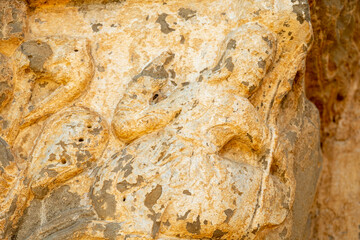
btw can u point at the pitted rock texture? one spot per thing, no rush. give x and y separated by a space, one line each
333 85
158 120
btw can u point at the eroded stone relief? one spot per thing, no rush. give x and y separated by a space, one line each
158 120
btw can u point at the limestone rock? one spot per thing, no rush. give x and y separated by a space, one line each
159 120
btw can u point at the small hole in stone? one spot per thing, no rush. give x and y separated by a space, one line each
63 161
76 50
155 96
89 126
274 168
30 56
124 199
339 97
81 139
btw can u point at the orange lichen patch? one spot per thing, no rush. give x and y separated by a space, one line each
8 46
47 3
44 4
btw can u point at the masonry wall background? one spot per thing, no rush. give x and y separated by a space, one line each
333 84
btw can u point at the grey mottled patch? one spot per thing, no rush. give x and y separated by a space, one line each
245 83
85 7
262 64
96 131
152 197
127 169
59 201
236 190
231 44
257 13
229 213
13 205
43 84
38 20
229 64
40 191
252 88
111 230
28 227
285 204
194 227
16 27
50 172
125 185
7 217
173 73
187 192
104 203
81 156
124 158
6 76
183 217
250 137
165 28
3 95
218 234
1 23
5 124
95 27
263 162
99 227
155 71
16 24
182 39
186 13
302 11
291 136
100 68
37 52
6 156
167 223
268 41
30 108
283 233
155 229
218 65
304 48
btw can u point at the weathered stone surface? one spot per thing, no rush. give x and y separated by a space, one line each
159 120
333 81
12 25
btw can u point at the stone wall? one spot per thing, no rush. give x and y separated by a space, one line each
333 84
